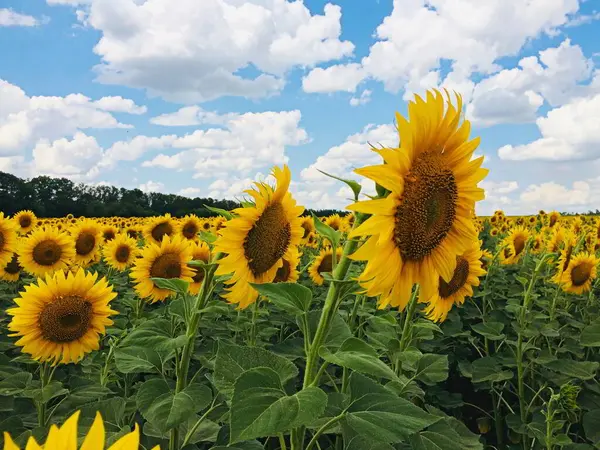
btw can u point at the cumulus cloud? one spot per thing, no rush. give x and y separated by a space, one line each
554 195
119 104
10 18
192 51
363 99
151 186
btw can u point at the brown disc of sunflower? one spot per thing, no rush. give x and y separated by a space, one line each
45 251
167 260
189 227
418 229
259 238
159 227
12 270
109 232
60 319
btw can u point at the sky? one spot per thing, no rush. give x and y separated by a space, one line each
202 97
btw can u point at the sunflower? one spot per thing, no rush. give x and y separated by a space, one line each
205 224
8 240
25 221
120 253
494 232
553 218
309 227
132 231
288 272
45 251
189 227
65 437
159 227
60 318
200 252
109 232
537 244
12 270
486 258
312 241
323 263
167 260
556 239
87 236
259 238
515 244
416 232
335 222
570 241
466 275
580 273
577 225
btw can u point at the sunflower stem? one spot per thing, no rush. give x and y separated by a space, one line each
253 327
410 312
45 378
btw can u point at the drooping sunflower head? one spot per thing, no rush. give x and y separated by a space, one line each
8 240
425 221
466 275
189 227
65 437
87 236
45 251
580 273
322 264
60 319
167 260
200 252
515 244
11 271
25 221
259 238
121 252
159 227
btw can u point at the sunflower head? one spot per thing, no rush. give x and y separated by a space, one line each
11 270
189 227
46 250
109 232
60 319
25 221
167 260
200 252
259 238
308 226
121 252
159 227
87 237
8 240
288 272
580 273
514 245
322 264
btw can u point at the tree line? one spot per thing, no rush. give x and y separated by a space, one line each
57 197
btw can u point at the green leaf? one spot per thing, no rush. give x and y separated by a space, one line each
172 284
154 334
359 356
490 330
453 429
432 369
591 426
165 409
327 232
137 359
207 237
261 408
15 384
53 389
293 298
489 369
378 414
219 211
355 186
338 330
360 443
233 360
583 370
590 335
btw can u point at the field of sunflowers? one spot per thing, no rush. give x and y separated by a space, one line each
405 322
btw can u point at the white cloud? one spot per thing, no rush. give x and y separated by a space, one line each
365 97
554 195
24 120
151 186
119 104
192 115
248 142
10 18
190 192
192 51
568 132
498 187
231 189
135 148
334 78
418 36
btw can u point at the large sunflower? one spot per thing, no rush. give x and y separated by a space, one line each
323 263
189 227
12 270
8 240
25 221
200 252
60 318
580 273
514 245
46 250
120 253
259 238
65 438
159 227
416 232
167 260
87 236
466 275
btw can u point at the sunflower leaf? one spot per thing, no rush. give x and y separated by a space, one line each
291 297
172 284
327 232
355 186
207 237
219 211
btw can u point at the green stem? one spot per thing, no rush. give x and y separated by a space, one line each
105 369
46 373
192 430
282 445
253 327
321 430
407 327
498 422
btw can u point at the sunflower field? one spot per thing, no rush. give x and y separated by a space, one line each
405 322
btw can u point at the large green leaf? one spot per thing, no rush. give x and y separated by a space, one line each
432 369
377 414
338 330
591 426
490 330
293 298
590 335
260 406
15 384
233 360
155 334
137 359
489 369
172 284
359 356
583 370
164 408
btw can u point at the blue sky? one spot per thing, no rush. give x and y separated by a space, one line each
201 98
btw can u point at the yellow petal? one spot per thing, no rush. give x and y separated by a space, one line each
95 437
